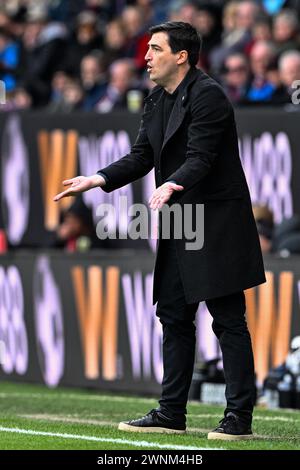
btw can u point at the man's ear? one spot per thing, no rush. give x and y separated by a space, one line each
182 57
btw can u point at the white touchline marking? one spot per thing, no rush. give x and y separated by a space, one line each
103 439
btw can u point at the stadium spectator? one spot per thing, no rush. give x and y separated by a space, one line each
137 35
71 98
57 85
261 56
182 11
261 31
114 41
283 238
17 25
286 240
247 14
4 19
93 79
289 72
206 20
65 10
77 229
289 66
44 44
236 77
19 99
86 38
32 6
9 59
265 226
238 21
229 16
22 99
122 79
105 9
147 11
286 31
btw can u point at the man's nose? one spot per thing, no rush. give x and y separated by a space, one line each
147 56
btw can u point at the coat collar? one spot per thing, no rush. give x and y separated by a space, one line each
183 86
178 111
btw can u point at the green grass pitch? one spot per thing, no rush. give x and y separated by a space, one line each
34 417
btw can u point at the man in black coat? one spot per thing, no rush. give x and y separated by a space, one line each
188 135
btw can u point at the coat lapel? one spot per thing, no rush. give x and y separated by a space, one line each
153 119
176 118
153 112
179 109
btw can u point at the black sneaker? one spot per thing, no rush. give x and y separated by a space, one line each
231 428
154 421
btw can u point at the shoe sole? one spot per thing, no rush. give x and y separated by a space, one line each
128 427
229 437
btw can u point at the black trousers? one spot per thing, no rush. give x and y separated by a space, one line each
179 338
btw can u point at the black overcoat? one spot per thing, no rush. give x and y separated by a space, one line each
200 152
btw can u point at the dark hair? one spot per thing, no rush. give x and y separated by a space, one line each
182 36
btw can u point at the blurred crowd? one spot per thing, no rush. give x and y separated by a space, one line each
282 239
69 55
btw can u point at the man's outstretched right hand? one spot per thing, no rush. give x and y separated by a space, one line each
79 184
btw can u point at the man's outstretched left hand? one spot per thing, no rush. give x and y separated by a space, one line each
162 194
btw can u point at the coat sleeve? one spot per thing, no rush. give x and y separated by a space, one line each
211 116
133 166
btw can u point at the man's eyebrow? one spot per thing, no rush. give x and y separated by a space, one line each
152 44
